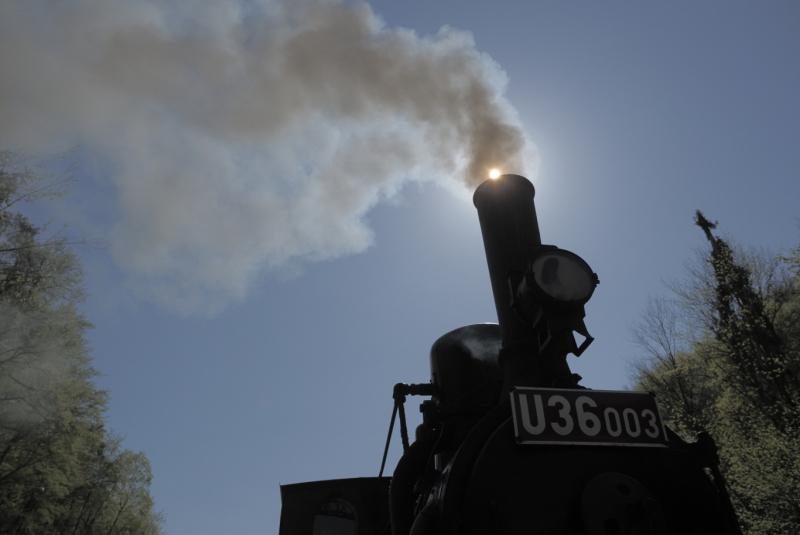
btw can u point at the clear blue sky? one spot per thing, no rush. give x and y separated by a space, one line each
641 113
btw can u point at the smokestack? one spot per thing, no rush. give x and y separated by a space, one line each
510 232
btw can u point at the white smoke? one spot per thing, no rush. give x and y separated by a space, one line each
244 135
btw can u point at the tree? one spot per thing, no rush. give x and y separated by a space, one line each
61 471
723 355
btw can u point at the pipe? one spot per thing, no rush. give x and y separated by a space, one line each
510 232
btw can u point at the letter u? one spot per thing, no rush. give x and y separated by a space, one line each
526 417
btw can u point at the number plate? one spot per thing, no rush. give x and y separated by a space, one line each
597 417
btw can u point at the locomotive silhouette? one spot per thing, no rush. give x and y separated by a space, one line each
510 442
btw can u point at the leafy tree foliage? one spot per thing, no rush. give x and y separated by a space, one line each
724 355
61 471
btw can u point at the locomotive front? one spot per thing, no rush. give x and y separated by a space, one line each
510 442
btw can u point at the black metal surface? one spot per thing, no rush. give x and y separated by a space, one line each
511 489
465 367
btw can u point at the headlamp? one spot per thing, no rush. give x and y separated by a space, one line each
549 295
560 278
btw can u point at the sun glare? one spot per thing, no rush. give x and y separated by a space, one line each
494 173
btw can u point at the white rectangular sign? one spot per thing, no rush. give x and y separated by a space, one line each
596 417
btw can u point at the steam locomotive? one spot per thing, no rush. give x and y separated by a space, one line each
510 442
